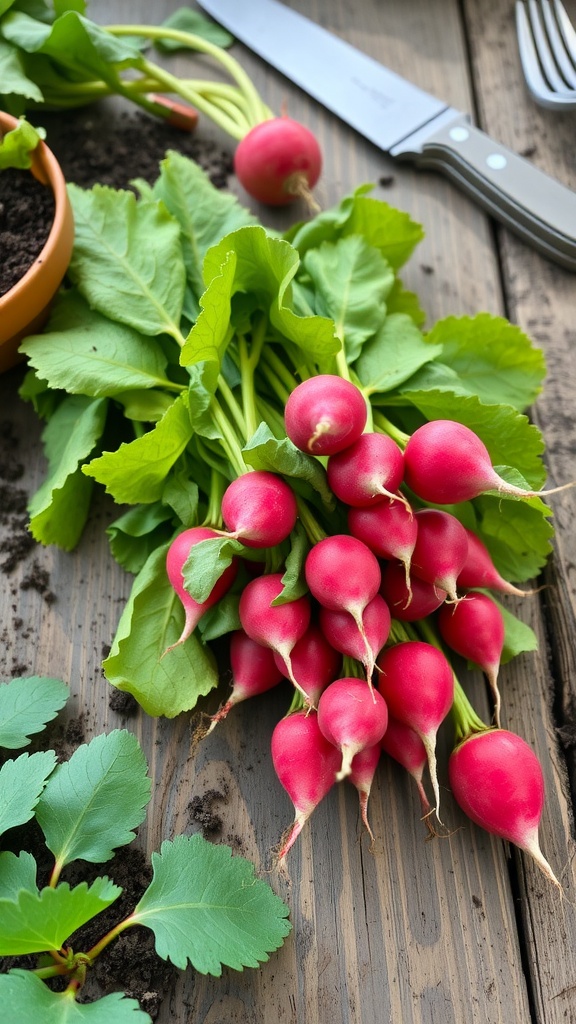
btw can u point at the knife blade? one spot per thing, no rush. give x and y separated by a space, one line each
407 122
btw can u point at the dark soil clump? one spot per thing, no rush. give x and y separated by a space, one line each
26 216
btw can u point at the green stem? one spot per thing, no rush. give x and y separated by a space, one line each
229 439
314 531
249 359
382 423
235 410
128 922
283 374
51 972
342 363
235 127
213 515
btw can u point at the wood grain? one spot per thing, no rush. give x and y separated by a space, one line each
461 928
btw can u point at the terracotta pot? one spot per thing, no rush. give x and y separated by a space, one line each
25 308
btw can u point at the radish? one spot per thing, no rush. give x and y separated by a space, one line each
497 780
176 557
325 414
362 772
370 469
306 765
314 663
440 550
479 570
351 716
277 161
259 509
417 683
389 529
343 575
410 601
405 746
474 628
342 632
445 462
254 671
276 626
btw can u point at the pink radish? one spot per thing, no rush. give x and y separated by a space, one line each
474 628
362 772
417 683
445 462
277 161
254 671
314 663
276 626
176 557
259 509
325 414
412 601
370 469
342 632
405 746
389 529
306 765
440 550
479 571
351 716
497 780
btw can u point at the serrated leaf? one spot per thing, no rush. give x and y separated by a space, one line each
16 873
86 353
96 799
133 536
207 907
206 563
27 704
518 534
136 472
34 922
264 451
114 266
26 998
293 580
519 637
21 783
152 620
393 355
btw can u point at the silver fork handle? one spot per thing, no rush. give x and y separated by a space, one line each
533 205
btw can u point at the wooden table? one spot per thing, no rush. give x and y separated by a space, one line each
456 930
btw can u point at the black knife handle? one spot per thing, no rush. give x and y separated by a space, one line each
529 202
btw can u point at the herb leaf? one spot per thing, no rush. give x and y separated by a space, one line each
16 873
34 922
21 783
206 906
95 800
395 353
29 999
26 706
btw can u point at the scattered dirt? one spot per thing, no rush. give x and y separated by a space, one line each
200 812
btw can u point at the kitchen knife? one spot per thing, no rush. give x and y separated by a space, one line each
407 122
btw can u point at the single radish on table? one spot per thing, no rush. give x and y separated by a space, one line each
259 509
417 683
440 550
362 772
314 662
389 529
402 743
410 601
176 557
367 471
254 671
497 780
276 626
342 632
324 414
479 571
352 717
445 462
278 161
474 628
306 764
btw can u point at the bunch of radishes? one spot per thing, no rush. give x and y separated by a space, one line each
365 656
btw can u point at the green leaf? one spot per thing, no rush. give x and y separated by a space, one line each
181 494
392 231
35 922
16 873
134 535
400 300
351 281
519 637
95 800
206 906
21 783
195 23
294 581
393 355
14 81
26 998
206 563
86 353
221 619
518 534
493 358
17 145
211 334
136 472
59 508
27 704
116 268
264 451
152 620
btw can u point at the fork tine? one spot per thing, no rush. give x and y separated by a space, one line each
567 30
558 45
536 58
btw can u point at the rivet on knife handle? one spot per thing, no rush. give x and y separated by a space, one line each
534 206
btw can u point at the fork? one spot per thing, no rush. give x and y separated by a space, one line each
547 44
